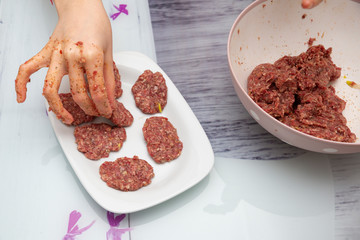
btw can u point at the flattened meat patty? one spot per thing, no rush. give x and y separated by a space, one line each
118 90
97 140
163 143
78 114
150 92
297 91
127 174
121 116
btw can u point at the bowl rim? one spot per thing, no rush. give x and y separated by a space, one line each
237 82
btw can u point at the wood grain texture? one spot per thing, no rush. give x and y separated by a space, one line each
191 40
346 171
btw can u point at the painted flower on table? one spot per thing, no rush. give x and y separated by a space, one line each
120 9
73 228
114 232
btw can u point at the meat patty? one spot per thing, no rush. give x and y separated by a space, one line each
78 114
163 143
118 90
150 92
121 116
127 174
97 140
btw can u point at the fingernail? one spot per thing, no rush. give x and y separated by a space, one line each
307 4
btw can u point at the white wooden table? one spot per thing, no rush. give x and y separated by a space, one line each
260 187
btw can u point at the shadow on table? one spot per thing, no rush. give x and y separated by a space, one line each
297 187
171 206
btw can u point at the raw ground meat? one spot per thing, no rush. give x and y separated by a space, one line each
121 116
311 41
296 91
78 114
150 92
127 174
163 143
97 140
118 90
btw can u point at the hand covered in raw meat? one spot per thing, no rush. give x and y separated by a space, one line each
80 44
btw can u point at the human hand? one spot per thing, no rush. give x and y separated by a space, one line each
310 3
81 43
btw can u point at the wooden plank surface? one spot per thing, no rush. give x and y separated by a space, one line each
191 39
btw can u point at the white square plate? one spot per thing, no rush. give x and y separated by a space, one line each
172 178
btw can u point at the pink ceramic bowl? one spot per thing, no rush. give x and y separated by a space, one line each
268 30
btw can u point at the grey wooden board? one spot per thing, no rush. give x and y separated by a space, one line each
191 39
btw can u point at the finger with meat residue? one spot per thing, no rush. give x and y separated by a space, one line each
53 78
40 60
310 3
94 66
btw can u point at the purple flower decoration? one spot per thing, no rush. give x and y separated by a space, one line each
121 9
73 228
115 233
